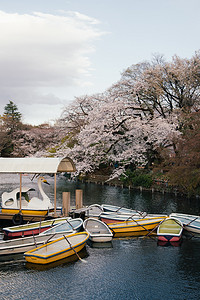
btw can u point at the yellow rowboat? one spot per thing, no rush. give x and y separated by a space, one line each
135 227
58 249
68 260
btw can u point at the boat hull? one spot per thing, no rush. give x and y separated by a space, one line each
170 230
24 233
55 257
111 218
169 238
27 212
100 238
120 210
28 244
30 229
138 227
98 231
51 256
21 245
191 223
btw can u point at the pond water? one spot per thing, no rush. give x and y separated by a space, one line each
134 268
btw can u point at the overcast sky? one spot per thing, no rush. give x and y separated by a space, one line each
52 51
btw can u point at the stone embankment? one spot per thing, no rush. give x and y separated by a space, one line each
158 185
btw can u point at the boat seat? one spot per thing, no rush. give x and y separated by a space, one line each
95 232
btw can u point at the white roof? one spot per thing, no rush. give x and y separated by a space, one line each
37 165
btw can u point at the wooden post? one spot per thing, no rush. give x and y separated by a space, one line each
79 199
55 215
20 193
66 203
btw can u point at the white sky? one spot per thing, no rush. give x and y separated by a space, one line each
52 51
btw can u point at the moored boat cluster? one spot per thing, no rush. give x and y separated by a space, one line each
49 241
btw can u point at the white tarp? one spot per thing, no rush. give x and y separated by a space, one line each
36 165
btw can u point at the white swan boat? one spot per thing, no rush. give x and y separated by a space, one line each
18 204
29 206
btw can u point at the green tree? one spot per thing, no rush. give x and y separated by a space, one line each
11 117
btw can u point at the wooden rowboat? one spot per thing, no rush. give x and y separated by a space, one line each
135 227
108 218
93 211
120 210
98 231
21 245
191 223
170 230
61 248
31 228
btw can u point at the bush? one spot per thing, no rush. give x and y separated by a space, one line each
137 178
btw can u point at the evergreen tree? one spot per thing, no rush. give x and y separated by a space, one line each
11 117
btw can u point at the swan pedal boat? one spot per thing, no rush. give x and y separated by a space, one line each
135 227
170 229
29 206
31 228
98 231
58 249
21 245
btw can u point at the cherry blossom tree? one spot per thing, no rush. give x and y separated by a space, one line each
116 133
134 119
163 86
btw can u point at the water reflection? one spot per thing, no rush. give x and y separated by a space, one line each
93 193
169 243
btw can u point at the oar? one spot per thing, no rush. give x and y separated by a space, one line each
155 228
40 226
74 250
52 223
29 221
70 225
142 226
118 209
131 217
140 213
191 221
192 235
50 238
34 239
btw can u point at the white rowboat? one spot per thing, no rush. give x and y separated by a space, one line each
98 231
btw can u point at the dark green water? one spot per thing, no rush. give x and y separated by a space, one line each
136 268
